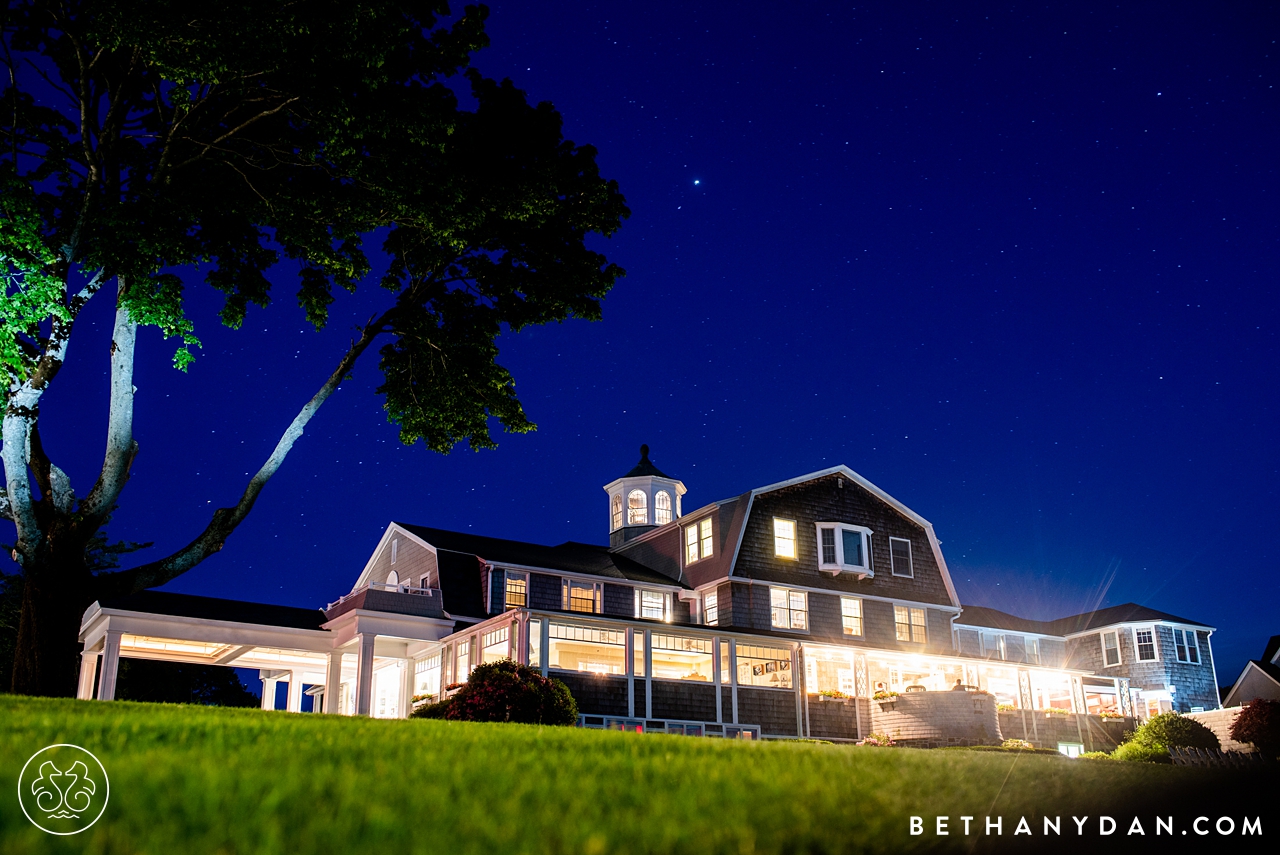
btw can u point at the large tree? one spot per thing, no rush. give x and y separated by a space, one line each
146 143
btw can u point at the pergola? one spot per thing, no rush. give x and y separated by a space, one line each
345 656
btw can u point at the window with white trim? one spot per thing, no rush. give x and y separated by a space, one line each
517 589
578 596
637 508
788 609
393 579
1110 649
900 557
711 608
1145 641
908 624
1188 648
851 615
653 605
843 547
784 538
395 548
616 517
662 507
697 541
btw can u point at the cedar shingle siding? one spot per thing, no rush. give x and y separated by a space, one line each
822 501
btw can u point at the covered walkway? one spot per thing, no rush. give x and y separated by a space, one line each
356 661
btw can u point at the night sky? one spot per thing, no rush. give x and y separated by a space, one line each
1015 265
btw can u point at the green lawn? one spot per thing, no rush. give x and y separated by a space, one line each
196 780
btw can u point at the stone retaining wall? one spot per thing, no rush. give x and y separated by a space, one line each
1046 730
1220 721
937 719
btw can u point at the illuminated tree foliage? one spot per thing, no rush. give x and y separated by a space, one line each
139 138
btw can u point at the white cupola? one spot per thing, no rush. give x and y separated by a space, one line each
641 500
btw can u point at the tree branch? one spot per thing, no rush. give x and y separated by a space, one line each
121 446
225 520
20 416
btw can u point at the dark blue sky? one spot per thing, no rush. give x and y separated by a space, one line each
1016 265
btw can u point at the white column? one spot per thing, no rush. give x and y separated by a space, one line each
406 687
364 673
88 670
333 682
268 689
295 691
110 664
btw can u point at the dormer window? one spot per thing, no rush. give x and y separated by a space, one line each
617 512
697 541
844 548
637 508
662 507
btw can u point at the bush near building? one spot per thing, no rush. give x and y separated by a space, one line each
1259 725
507 691
1151 742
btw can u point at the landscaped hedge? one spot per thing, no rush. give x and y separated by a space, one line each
507 691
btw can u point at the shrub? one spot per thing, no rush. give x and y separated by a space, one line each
436 710
1259 725
1170 730
508 691
1136 752
1006 707
1096 755
1017 744
877 739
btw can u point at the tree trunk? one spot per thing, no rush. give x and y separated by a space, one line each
55 594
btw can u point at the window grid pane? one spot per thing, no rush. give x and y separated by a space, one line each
637 508
1146 645
900 556
662 507
784 538
517 590
705 527
711 605
828 545
851 615
917 626
691 544
902 623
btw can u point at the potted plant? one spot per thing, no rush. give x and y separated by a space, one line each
832 695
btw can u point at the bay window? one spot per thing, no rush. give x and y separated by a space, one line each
844 548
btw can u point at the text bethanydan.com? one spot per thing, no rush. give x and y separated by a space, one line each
1081 826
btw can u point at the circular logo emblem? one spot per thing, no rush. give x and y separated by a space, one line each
63 789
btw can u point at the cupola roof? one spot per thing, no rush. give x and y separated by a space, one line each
645 467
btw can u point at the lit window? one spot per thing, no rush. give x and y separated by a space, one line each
697 541
662 507
851 615
617 512
464 661
637 508
535 644
764 666
909 624
844 548
1110 649
784 538
517 589
653 605
1146 644
1188 648
789 609
900 556
494 647
426 676
711 608
580 596
679 657
585 648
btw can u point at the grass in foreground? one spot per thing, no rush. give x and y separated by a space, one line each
195 780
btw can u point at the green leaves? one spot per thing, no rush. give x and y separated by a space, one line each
232 135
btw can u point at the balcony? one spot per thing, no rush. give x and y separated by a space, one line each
396 599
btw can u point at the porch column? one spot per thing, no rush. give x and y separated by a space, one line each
269 681
406 687
295 691
88 670
364 673
333 682
110 664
